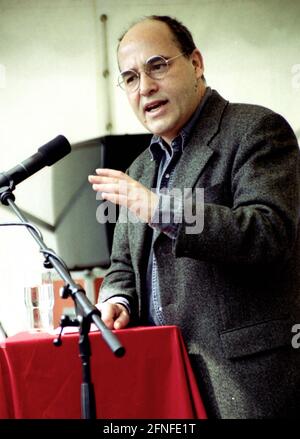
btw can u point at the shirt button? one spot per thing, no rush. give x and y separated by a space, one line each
167 175
160 309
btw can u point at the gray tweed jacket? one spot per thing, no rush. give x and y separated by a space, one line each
233 288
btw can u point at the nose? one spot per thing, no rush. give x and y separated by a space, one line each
147 84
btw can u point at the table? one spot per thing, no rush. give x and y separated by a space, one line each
153 380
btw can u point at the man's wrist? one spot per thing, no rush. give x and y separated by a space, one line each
167 215
121 301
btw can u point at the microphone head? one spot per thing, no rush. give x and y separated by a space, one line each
55 150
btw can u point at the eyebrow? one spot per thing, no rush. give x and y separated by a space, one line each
152 56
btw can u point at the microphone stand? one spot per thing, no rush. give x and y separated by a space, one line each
85 311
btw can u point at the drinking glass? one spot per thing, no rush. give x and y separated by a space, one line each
39 302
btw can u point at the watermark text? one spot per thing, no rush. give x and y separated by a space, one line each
2 76
295 70
176 206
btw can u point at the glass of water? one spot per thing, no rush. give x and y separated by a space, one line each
39 302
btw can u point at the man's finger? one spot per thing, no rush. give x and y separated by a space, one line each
107 314
110 173
123 319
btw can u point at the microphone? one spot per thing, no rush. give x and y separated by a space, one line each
47 155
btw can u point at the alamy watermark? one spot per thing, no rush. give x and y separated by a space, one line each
295 70
2 76
176 206
296 337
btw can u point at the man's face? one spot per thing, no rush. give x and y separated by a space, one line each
162 105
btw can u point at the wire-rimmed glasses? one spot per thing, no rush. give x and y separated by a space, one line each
156 67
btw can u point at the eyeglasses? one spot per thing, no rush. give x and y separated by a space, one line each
156 67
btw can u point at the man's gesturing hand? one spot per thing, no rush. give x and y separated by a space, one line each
119 188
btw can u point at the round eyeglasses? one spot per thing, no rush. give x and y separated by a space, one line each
155 67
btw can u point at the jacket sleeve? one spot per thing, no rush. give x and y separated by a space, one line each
120 278
261 225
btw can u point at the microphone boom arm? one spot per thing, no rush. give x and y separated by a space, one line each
82 303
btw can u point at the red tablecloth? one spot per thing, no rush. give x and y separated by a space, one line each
153 380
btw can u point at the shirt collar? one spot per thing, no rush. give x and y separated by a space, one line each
157 146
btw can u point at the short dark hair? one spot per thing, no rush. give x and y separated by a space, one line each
182 36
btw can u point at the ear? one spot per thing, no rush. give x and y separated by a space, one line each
197 62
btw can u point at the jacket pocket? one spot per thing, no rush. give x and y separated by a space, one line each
259 337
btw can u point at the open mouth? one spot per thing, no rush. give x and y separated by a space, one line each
153 106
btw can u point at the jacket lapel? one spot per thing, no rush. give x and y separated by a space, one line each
197 153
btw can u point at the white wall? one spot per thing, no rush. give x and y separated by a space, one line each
51 64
